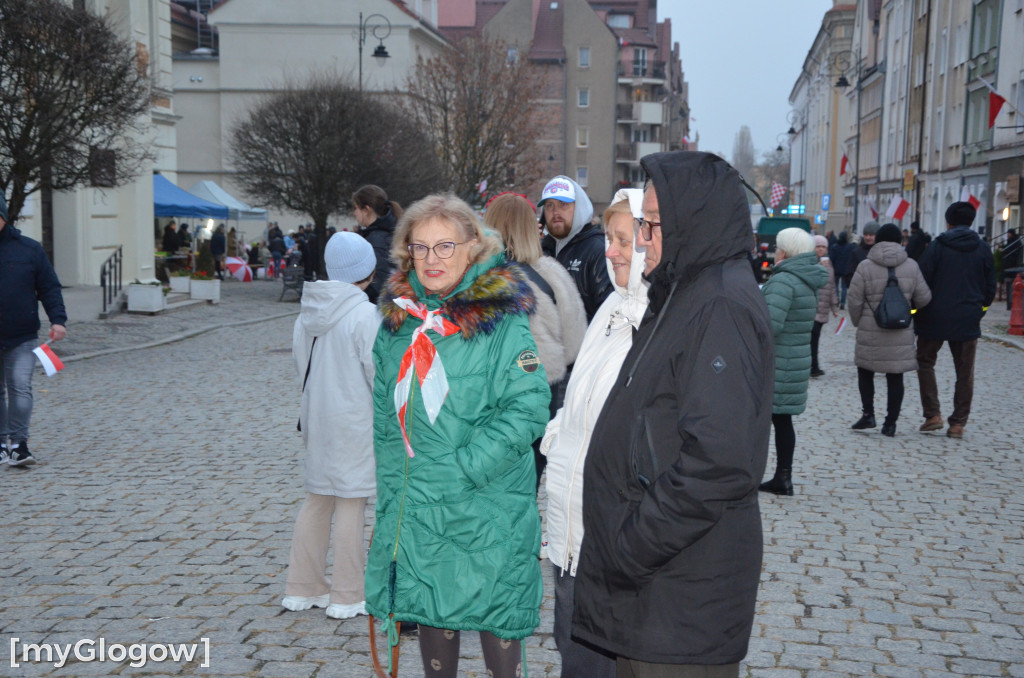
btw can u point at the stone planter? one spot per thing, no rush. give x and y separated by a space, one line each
205 289
146 298
179 284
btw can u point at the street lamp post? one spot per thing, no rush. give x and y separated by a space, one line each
380 30
850 61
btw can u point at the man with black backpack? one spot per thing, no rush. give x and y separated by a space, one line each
960 271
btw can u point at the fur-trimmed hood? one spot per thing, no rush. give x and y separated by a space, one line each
489 291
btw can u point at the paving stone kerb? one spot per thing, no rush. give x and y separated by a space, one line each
163 507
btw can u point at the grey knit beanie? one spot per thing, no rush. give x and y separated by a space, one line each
349 258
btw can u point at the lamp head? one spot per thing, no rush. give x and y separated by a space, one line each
842 82
381 53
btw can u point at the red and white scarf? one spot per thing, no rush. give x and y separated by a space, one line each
422 356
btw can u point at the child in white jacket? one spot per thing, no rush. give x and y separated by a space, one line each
333 346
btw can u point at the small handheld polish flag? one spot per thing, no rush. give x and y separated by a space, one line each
49 360
842 324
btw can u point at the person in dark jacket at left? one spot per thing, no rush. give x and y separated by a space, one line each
577 244
671 558
26 278
791 294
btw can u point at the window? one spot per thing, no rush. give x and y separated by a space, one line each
618 20
943 49
639 62
513 55
1020 105
582 137
584 57
583 98
581 176
102 167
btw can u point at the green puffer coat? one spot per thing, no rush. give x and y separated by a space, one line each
458 522
792 296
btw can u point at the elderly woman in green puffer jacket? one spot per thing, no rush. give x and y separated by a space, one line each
459 396
792 297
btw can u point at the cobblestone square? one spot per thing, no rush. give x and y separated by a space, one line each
169 479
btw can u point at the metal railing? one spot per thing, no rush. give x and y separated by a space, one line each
110 277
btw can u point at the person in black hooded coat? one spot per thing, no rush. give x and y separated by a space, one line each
669 568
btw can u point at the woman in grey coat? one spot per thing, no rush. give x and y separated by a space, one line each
891 352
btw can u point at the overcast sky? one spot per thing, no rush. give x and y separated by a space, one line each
742 58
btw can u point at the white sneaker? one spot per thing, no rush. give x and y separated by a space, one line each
296 603
4 456
336 611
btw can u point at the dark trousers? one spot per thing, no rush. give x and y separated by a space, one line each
963 362
579 660
785 440
815 337
630 668
894 388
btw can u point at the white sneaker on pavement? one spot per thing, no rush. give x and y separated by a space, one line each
297 603
338 611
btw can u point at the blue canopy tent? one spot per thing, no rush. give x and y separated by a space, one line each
171 201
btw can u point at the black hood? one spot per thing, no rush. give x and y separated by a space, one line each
961 238
705 218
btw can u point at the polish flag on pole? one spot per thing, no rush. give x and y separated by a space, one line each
843 164
482 187
967 196
874 211
897 208
49 360
995 104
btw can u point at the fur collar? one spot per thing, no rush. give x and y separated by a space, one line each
478 309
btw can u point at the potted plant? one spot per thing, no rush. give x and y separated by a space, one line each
146 296
179 280
202 284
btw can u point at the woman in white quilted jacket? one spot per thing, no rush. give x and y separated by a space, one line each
605 345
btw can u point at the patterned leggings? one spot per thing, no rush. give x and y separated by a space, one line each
439 649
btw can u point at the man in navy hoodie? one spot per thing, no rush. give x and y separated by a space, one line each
26 278
960 271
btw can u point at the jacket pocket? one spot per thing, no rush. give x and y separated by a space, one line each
654 444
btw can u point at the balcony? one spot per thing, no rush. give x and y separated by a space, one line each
624 112
633 70
631 153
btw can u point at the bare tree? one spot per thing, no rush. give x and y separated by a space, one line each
477 104
743 155
307 147
73 97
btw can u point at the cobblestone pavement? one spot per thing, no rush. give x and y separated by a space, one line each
169 478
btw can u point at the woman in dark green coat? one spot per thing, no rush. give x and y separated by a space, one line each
459 396
792 297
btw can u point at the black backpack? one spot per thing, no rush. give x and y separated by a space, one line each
893 312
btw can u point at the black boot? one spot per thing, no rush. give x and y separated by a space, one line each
781 484
889 427
867 420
